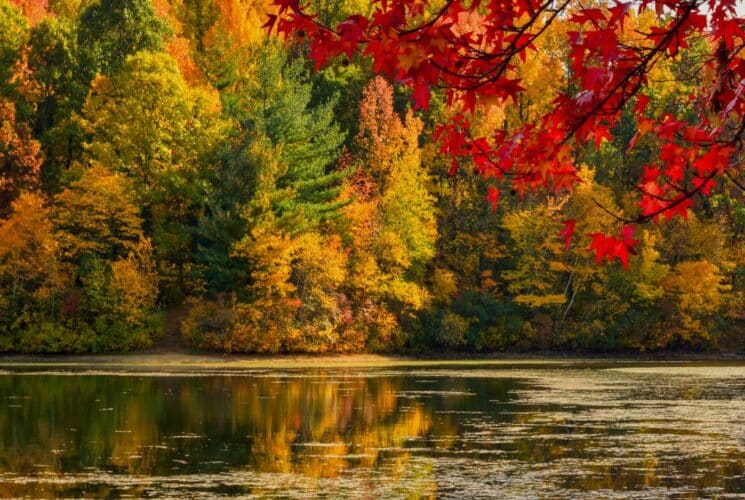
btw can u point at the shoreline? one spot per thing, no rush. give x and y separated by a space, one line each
180 359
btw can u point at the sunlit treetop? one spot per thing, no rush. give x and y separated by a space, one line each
471 49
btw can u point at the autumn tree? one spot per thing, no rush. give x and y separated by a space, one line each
391 223
13 36
20 157
98 230
96 216
33 278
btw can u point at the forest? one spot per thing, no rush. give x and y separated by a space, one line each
174 165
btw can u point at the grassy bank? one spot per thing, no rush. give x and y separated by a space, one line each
182 360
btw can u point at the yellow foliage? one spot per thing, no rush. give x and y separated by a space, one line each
135 280
453 329
146 121
96 215
28 249
692 300
695 287
444 285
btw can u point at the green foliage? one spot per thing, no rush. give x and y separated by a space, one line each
53 59
297 188
277 104
13 37
111 30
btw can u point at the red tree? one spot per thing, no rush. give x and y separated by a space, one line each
469 48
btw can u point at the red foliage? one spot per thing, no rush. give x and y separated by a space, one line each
568 232
611 247
470 48
492 196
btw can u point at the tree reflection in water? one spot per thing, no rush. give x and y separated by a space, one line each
367 433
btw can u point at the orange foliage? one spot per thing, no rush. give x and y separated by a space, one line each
241 20
379 125
20 156
164 9
28 250
34 10
180 49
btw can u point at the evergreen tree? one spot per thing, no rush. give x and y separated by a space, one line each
276 111
278 104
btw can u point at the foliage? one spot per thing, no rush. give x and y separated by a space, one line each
611 62
147 123
13 36
20 156
454 175
96 216
111 30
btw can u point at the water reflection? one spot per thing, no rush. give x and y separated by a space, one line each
568 432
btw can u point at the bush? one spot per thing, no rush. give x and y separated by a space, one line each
453 330
207 324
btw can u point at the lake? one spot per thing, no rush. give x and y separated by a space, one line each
595 430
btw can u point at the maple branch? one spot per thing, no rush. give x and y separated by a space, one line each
686 195
609 212
493 74
640 69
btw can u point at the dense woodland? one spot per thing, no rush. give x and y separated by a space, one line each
169 161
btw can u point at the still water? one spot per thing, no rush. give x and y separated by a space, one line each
567 431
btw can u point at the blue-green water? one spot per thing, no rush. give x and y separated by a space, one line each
604 431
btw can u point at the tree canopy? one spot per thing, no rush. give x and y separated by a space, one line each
392 176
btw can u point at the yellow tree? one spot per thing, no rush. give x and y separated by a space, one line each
32 278
96 215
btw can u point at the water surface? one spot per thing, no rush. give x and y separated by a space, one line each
571 431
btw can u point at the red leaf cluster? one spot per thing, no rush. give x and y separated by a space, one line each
614 247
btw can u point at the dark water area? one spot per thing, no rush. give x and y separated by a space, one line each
604 431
